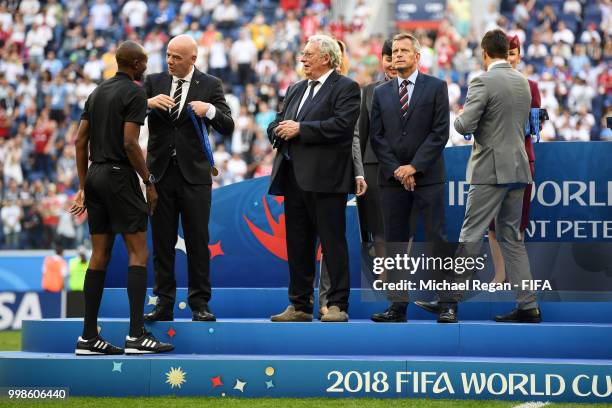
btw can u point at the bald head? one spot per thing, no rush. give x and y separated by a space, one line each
184 42
128 53
181 55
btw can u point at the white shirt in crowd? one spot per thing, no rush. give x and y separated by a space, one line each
243 51
225 13
565 35
29 9
101 16
237 167
11 217
136 13
65 225
93 69
218 58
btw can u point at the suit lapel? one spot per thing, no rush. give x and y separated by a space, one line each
294 103
396 98
414 98
165 86
390 103
325 89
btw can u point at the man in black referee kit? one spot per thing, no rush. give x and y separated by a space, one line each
110 191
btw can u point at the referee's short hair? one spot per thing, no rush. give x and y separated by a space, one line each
128 52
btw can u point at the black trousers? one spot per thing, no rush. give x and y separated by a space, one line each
399 206
192 203
307 216
369 207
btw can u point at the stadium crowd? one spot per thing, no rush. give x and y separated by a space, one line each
53 54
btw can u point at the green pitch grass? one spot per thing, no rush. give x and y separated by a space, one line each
11 341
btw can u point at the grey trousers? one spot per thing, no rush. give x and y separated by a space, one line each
485 202
324 284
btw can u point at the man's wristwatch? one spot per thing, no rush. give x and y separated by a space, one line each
150 180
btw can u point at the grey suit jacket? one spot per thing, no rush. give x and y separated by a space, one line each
357 162
369 157
496 109
362 148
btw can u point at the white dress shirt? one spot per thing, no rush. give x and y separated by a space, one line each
412 78
210 114
321 80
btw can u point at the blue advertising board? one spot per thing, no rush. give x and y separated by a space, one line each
571 202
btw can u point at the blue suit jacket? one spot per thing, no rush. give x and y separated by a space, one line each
417 139
322 153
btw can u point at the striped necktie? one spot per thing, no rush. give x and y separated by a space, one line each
403 94
178 93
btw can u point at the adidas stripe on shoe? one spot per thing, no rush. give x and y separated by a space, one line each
146 344
95 347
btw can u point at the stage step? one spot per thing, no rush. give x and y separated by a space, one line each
264 302
400 376
358 337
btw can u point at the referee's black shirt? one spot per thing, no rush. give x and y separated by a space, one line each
114 102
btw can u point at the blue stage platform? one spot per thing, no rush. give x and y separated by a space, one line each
264 302
359 337
566 358
308 376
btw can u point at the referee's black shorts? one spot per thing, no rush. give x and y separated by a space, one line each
114 200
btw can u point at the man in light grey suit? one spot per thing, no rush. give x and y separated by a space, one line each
495 112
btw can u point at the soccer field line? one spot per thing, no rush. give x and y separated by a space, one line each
532 405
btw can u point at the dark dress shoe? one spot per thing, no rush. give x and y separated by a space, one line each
389 316
431 307
447 315
203 315
521 316
159 314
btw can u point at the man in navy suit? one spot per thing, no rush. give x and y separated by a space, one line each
313 169
409 129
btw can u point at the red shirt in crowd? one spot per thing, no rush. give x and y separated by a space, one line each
5 124
287 5
41 136
310 25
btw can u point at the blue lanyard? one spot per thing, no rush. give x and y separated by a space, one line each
203 135
535 123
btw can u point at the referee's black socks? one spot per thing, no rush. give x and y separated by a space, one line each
137 290
92 292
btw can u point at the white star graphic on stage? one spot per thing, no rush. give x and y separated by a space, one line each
239 385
